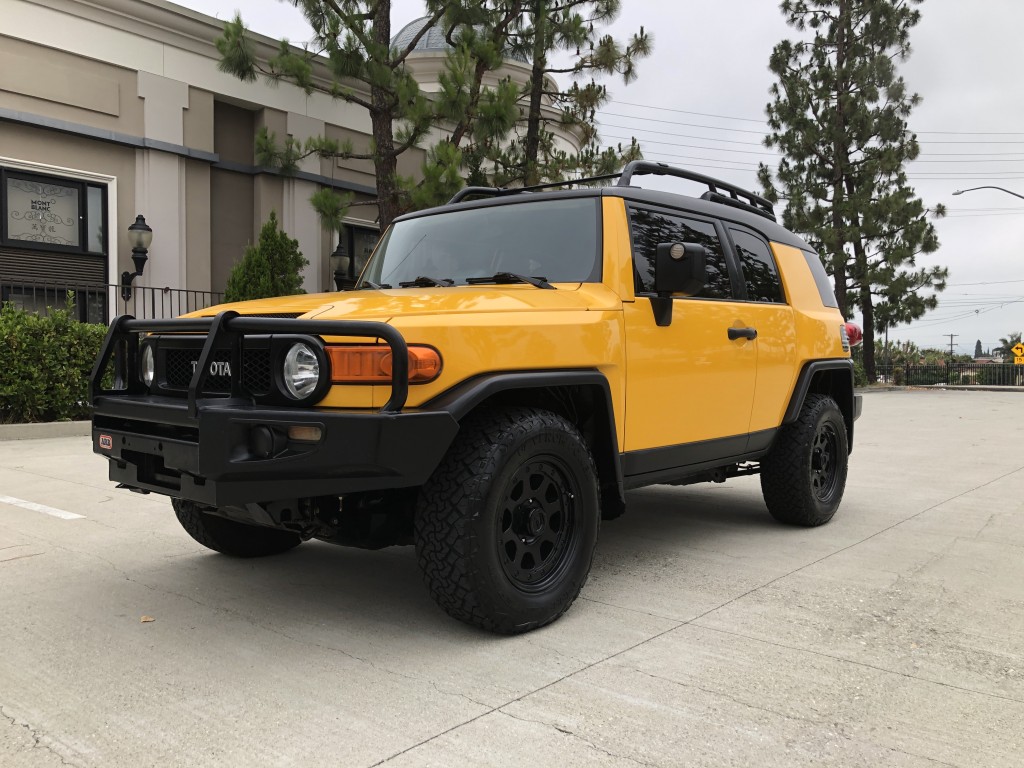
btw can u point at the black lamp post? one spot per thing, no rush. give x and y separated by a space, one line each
961 191
140 235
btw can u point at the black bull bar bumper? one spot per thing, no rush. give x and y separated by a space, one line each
227 450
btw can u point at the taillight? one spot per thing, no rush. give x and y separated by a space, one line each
371 364
850 335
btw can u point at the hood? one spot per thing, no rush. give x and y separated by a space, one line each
385 304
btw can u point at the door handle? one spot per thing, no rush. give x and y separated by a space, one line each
742 333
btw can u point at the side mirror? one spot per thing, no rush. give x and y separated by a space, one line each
679 268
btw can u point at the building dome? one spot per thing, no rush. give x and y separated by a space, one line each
433 41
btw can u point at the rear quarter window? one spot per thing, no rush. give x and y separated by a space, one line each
828 296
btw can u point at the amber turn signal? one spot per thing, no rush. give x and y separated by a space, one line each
371 364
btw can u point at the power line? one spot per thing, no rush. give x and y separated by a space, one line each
765 122
992 282
704 138
687 112
688 125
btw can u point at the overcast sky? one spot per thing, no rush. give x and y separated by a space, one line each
700 99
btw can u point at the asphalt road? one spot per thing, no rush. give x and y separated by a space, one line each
706 635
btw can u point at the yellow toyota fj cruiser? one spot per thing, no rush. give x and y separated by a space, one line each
504 370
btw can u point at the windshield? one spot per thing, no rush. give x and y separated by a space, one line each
552 239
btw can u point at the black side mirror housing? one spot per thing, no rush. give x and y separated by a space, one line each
679 268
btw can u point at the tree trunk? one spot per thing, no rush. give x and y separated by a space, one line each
385 164
839 152
475 89
536 91
867 308
385 161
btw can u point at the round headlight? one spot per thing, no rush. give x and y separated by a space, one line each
147 366
301 371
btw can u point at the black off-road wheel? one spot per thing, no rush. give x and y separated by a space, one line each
506 526
230 537
804 474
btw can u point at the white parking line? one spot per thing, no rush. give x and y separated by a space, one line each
53 511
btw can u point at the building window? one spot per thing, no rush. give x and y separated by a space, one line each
357 243
50 213
53 243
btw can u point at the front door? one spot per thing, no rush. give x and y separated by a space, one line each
689 385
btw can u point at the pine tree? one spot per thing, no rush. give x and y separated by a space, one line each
270 268
354 38
1006 345
839 115
977 349
551 26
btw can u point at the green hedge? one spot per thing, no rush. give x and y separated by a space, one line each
44 374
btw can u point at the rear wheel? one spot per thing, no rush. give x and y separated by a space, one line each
230 537
507 525
804 474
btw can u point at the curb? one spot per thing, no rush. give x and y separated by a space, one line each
49 429
936 387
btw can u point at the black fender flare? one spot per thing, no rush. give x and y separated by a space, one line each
467 395
842 393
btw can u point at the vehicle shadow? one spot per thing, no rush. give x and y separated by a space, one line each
381 591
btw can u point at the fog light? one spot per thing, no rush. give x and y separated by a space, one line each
266 442
305 434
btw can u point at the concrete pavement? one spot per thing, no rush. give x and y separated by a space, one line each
708 635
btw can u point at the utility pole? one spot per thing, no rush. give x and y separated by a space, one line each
951 337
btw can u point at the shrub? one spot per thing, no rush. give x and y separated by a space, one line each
860 376
270 268
46 367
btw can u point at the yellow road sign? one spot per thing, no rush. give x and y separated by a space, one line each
1018 349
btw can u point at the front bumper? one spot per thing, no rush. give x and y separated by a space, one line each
234 454
229 451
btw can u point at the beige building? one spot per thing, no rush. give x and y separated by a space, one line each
114 108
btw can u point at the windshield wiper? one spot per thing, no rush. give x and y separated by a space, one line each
427 282
371 285
512 277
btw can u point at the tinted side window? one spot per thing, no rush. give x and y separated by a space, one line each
821 279
649 228
759 270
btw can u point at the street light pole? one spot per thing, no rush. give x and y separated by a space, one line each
961 191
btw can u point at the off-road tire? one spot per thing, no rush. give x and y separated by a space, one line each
229 537
804 474
507 524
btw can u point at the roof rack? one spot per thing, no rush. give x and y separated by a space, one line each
465 192
737 197
718 191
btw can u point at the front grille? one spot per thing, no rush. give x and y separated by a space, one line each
256 376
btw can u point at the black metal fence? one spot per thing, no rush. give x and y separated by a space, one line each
97 303
987 374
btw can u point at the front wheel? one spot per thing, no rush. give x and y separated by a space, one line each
230 537
804 474
507 524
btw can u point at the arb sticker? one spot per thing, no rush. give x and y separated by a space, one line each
106 442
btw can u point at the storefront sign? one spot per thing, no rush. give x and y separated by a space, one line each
42 212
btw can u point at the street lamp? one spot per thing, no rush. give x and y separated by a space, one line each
140 235
961 191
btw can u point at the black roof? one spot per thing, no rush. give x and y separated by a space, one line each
722 201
